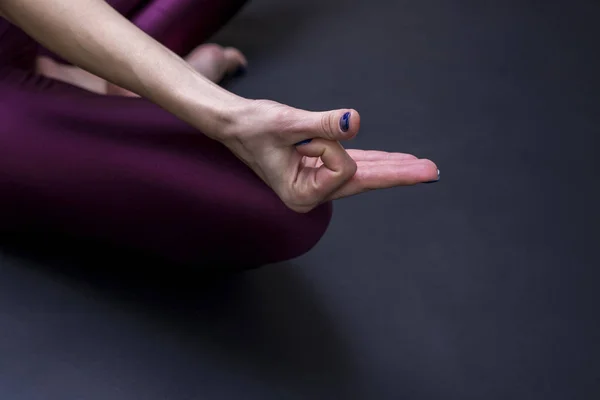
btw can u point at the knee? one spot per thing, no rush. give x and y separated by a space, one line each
299 233
262 236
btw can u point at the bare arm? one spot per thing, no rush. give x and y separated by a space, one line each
92 35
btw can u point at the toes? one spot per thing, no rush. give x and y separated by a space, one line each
206 52
236 61
216 62
209 60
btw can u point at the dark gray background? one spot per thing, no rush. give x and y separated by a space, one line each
482 286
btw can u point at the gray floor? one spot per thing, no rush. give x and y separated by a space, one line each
483 286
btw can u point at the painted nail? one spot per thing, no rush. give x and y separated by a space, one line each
241 70
304 142
345 122
436 179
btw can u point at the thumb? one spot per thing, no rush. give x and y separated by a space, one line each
338 125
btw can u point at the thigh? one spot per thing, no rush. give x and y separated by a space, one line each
124 171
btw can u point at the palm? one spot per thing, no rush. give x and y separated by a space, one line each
300 155
377 170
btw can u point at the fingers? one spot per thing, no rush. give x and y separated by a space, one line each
70 74
302 126
371 175
320 183
374 155
379 156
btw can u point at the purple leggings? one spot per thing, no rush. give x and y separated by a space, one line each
124 172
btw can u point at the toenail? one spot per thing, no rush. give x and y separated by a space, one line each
241 70
345 122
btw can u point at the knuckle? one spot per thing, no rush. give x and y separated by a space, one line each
300 207
282 114
326 123
283 121
349 169
300 203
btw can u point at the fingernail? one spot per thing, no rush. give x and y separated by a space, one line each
241 70
436 179
345 122
304 142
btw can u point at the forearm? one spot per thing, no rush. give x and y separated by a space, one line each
92 35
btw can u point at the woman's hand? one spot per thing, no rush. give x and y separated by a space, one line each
265 134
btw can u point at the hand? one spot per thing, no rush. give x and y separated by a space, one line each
382 170
265 136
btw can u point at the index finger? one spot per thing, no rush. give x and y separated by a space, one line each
337 168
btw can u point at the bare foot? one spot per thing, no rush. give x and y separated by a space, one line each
215 62
211 60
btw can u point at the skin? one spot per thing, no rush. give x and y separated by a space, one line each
262 133
211 60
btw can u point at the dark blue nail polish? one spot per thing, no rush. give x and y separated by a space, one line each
241 70
345 122
304 142
437 180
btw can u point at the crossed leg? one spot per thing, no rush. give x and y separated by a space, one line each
175 24
123 171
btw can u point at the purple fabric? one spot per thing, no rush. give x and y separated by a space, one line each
125 172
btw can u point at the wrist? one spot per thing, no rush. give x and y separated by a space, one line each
208 107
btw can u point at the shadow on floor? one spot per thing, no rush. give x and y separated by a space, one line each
267 323
262 29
